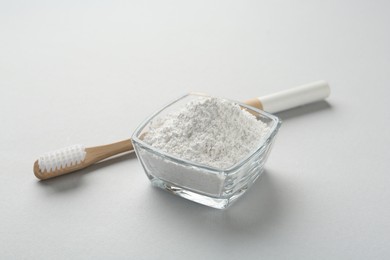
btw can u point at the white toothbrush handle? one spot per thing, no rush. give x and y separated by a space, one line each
295 97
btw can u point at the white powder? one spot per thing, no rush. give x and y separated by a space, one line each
209 131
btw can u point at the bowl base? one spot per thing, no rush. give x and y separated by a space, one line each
218 203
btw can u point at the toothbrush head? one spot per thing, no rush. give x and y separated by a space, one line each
60 160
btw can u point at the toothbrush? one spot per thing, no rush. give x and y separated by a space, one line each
290 98
77 157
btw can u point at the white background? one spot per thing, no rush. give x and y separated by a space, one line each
90 71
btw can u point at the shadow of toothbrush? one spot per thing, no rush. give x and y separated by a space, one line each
304 110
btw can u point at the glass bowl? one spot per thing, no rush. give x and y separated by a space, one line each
203 184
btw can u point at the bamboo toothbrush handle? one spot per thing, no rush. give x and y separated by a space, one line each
98 153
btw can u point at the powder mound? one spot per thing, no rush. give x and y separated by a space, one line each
209 131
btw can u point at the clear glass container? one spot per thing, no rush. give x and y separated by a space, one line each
206 185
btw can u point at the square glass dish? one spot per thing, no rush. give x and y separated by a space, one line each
206 185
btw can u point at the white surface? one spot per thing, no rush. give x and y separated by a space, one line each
295 96
89 72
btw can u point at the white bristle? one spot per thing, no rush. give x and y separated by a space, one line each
62 158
